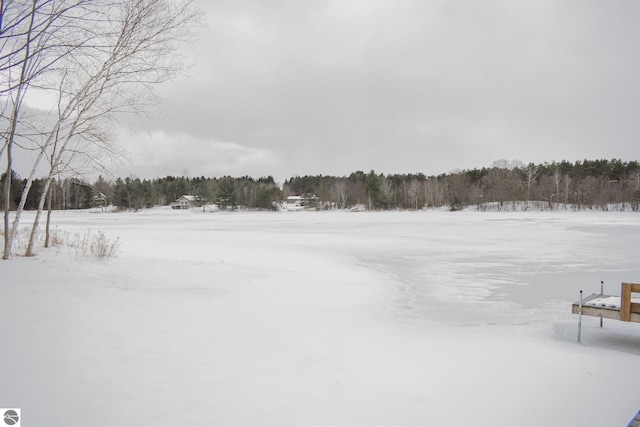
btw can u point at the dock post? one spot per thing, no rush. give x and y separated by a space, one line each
601 293
580 317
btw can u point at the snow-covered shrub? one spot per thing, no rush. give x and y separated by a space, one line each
101 247
94 245
57 237
81 245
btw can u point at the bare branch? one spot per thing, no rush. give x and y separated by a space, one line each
117 51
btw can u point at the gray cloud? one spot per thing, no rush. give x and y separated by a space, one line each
402 86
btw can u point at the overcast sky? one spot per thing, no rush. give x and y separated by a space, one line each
301 87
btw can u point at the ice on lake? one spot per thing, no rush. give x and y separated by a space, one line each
323 318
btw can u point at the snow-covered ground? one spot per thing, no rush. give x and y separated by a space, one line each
323 318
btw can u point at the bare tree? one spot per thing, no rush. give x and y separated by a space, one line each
120 50
457 189
496 181
26 31
19 52
387 189
530 174
434 192
557 179
567 182
30 34
339 191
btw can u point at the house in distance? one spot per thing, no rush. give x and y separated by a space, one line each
187 202
305 201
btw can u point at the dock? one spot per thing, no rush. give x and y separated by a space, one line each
624 308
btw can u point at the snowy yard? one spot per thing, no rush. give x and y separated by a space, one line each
323 318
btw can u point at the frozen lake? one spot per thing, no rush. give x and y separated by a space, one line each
350 318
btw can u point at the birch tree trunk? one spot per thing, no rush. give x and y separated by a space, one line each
13 123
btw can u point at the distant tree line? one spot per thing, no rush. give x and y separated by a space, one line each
66 194
582 185
226 192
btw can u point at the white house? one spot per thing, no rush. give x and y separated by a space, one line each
184 202
301 202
